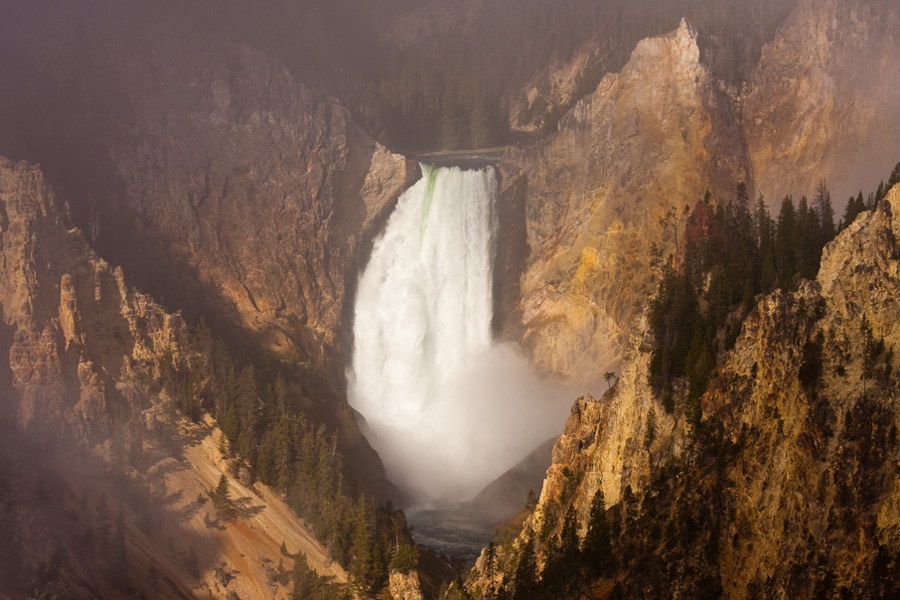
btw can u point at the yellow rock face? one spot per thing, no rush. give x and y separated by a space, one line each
638 147
80 343
823 102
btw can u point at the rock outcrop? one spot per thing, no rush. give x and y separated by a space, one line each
84 350
820 104
73 328
643 145
226 185
787 485
254 189
405 586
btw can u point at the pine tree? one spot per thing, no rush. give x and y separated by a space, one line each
231 426
786 243
826 212
304 579
562 556
405 555
765 234
283 454
526 587
363 540
809 240
490 555
568 538
596 548
855 206
879 195
894 178
265 458
221 498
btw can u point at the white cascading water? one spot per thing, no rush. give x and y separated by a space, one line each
447 409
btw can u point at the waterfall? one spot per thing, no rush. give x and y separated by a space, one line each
447 409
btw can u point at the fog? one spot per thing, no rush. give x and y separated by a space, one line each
484 418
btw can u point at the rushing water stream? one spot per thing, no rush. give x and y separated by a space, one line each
448 409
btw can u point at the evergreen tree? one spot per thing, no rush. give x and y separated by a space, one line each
328 461
221 494
283 454
765 233
221 498
786 243
879 195
454 591
265 458
596 548
363 542
809 240
894 179
526 587
673 317
405 555
490 556
304 579
826 212
231 426
743 261
249 414
855 206
562 556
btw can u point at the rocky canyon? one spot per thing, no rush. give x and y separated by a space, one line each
189 198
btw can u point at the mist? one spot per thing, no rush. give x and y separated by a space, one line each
446 407
486 417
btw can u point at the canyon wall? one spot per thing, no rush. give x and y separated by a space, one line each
646 143
91 437
793 462
256 188
226 185
822 103
612 182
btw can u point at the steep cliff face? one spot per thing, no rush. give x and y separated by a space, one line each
819 450
73 325
405 586
645 143
787 486
822 103
87 355
226 185
559 85
256 188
